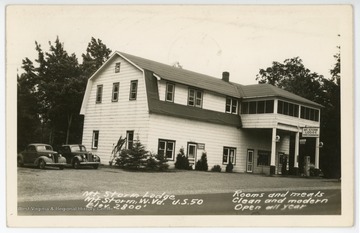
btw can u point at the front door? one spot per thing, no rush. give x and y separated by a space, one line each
282 165
250 161
192 151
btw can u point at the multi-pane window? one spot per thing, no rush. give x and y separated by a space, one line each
129 139
263 158
195 98
99 90
166 148
170 90
115 92
133 89
289 109
257 107
117 67
309 113
229 155
231 105
95 139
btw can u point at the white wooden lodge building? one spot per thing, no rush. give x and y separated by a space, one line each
256 127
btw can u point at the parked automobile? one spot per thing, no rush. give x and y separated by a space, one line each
78 156
41 155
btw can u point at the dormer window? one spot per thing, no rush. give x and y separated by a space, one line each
231 105
195 98
117 67
170 91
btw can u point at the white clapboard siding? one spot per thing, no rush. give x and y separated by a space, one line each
214 102
211 101
214 136
113 119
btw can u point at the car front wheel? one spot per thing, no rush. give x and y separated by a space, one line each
76 164
42 164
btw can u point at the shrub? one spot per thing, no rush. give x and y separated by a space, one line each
161 163
216 168
201 165
182 162
229 167
138 158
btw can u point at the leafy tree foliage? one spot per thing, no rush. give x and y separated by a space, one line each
293 76
50 93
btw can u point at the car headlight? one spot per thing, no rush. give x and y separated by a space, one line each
49 155
84 156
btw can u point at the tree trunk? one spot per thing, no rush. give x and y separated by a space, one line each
68 128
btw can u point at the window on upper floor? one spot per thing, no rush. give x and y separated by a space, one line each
231 105
133 89
309 113
257 107
195 98
229 155
95 139
129 139
117 67
170 91
115 92
289 109
167 148
99 90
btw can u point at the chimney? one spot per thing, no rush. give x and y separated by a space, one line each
225 76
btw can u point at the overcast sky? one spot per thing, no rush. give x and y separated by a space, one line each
205 39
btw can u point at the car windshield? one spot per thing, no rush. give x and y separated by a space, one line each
78 148
43 148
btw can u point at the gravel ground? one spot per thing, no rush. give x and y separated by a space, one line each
54 184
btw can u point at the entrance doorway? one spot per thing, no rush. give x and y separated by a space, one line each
250 161
191 152
282 163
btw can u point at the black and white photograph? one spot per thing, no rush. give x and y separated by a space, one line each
179 115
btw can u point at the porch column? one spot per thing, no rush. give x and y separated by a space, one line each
317 144
273 152
296 154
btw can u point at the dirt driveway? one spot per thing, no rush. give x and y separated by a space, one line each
53 184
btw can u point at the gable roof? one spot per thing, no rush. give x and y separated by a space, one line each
200 81
216 85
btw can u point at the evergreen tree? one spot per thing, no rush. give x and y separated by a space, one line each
134 158
182 162
96 54
201 165
50 94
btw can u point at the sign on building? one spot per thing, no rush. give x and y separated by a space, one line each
310 132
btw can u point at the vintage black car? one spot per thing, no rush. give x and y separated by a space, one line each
77 156
40 155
